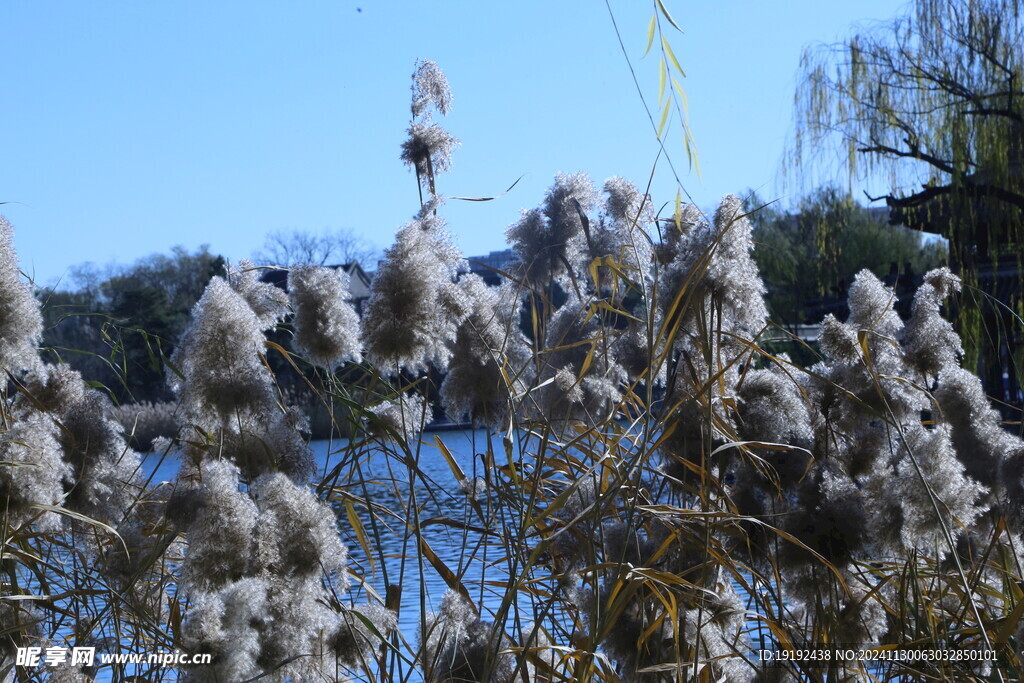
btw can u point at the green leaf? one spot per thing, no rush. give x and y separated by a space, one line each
174 368
672 56
691 155
661 79
682 95
357 526
664 13
453 465
664 117
650 33
450 578
81 518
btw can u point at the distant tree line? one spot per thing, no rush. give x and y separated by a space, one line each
118 325
812 254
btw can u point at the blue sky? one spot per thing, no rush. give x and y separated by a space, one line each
131 127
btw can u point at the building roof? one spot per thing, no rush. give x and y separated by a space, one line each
359 281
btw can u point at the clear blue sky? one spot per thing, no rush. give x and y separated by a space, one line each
129 127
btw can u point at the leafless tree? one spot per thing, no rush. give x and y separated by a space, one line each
290 247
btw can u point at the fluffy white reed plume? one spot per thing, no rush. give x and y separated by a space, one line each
872 307
255 570
296 533
219 358
868 397
675 233
638 346
353 642
838 341
931 342
990 454
708 275
297 546
428 149
326 324
61 447
104 478
297 621
458 646
580 356
715 259
625 206
712 301
21 323
876 382
490 356
732 275
415 306
774 409
225 623
873 315
619 232
718 632
430 88
219 521
33 472
269 303
227 392
546 240
956 495
614 257
400 419
861 394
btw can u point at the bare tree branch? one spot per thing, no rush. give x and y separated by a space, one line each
286 248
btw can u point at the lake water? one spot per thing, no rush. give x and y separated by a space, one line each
441 507
396 558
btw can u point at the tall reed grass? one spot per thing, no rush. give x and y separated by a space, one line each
657 496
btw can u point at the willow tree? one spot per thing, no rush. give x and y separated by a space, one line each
932 106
